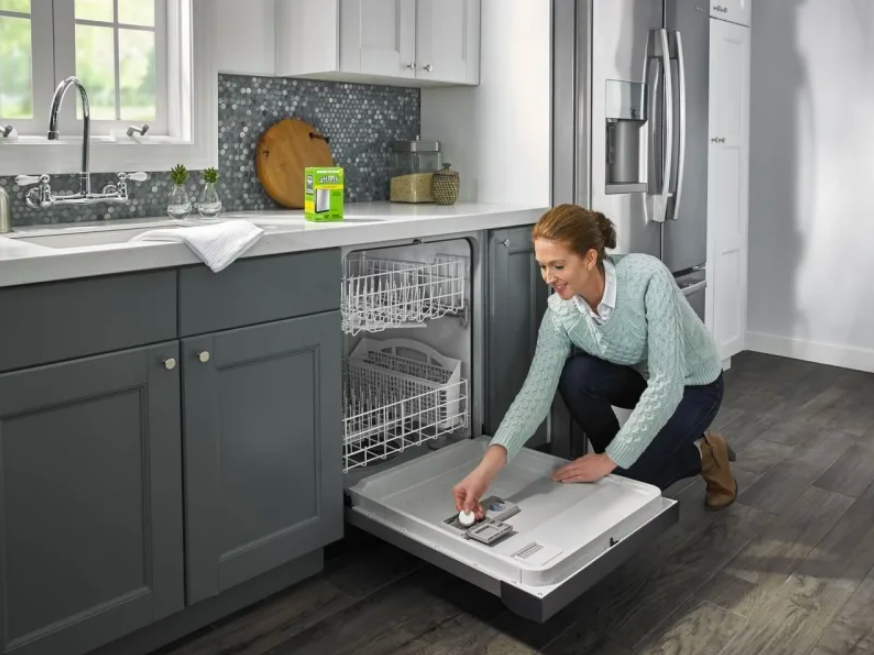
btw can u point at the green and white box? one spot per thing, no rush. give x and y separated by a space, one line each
323 198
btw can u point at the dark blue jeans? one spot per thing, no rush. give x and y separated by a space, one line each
591 387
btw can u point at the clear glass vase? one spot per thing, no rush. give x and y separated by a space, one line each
209 205
178 204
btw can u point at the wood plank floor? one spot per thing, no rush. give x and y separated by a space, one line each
788 569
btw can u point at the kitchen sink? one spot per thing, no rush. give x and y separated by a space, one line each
119 232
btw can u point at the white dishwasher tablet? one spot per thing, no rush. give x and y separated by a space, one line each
467 519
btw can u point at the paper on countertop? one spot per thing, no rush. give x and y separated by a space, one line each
217 245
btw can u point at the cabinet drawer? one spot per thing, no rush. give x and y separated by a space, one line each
254 291
47 323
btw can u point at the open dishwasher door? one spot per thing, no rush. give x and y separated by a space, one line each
541 545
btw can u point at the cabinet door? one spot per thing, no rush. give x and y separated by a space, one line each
263 449
517 301
90 501
729 181
735 11
445 43
378 37
245 37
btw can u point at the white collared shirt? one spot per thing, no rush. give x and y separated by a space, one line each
608 302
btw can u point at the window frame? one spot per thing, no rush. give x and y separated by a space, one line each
65 23
43 65
191 135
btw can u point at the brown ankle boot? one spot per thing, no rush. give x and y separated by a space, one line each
716 471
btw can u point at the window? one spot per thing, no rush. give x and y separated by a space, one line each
16 62
116 46
141 61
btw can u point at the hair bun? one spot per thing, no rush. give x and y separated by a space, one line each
608 230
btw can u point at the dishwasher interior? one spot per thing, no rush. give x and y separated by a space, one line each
414 318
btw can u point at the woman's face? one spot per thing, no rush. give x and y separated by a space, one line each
569 273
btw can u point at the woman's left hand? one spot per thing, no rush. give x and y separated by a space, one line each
589 468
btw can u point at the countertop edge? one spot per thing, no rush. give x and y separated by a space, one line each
77 263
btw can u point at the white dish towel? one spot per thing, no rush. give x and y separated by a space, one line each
217 245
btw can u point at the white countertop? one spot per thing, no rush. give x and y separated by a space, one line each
45 254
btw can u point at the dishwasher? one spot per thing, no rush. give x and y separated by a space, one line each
414 317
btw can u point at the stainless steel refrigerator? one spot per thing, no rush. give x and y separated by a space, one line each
630 124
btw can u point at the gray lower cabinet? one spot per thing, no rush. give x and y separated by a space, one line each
263 449
91 543
517 301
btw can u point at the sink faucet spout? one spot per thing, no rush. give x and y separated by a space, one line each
54 135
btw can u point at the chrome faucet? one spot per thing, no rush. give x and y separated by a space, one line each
41 197
54 135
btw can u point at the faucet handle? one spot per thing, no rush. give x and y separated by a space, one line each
30 180
134 177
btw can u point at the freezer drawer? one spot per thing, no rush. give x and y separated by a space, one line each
559 541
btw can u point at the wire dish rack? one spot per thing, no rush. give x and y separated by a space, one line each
378 294
399 393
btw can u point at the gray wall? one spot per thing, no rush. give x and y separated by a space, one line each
811 274
360 120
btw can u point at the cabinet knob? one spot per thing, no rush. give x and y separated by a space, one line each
505 243
412 65
429 67
170 363
203 357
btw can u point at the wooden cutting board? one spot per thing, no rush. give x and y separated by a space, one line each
284 151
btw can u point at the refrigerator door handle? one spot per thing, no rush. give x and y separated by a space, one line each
655 158
688 290
681 93
668 136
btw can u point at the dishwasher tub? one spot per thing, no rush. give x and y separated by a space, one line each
564 538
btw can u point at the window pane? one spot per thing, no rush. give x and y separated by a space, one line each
136 12
22 6
16 68
101 10
95 66
136 50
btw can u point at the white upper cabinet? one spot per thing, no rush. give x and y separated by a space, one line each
402 42
728 182
378 37
734 11
245 37
444 40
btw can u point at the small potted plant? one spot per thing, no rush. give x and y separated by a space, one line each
179 204
210 205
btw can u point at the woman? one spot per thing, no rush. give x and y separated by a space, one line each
642 348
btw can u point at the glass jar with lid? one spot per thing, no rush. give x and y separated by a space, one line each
413 163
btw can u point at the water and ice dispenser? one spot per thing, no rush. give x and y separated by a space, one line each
626 115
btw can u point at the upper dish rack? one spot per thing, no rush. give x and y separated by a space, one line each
378 294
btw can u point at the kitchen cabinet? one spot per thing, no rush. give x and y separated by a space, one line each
401 42
245 37
91 541
263 449
734 11
517 301
728 182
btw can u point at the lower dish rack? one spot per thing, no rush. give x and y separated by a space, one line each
399 393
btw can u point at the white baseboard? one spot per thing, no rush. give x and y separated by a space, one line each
858 359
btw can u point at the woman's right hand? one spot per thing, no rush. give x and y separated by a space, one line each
469 491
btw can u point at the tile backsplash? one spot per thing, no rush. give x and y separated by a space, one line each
360 120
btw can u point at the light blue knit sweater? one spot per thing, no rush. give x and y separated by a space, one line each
652 328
